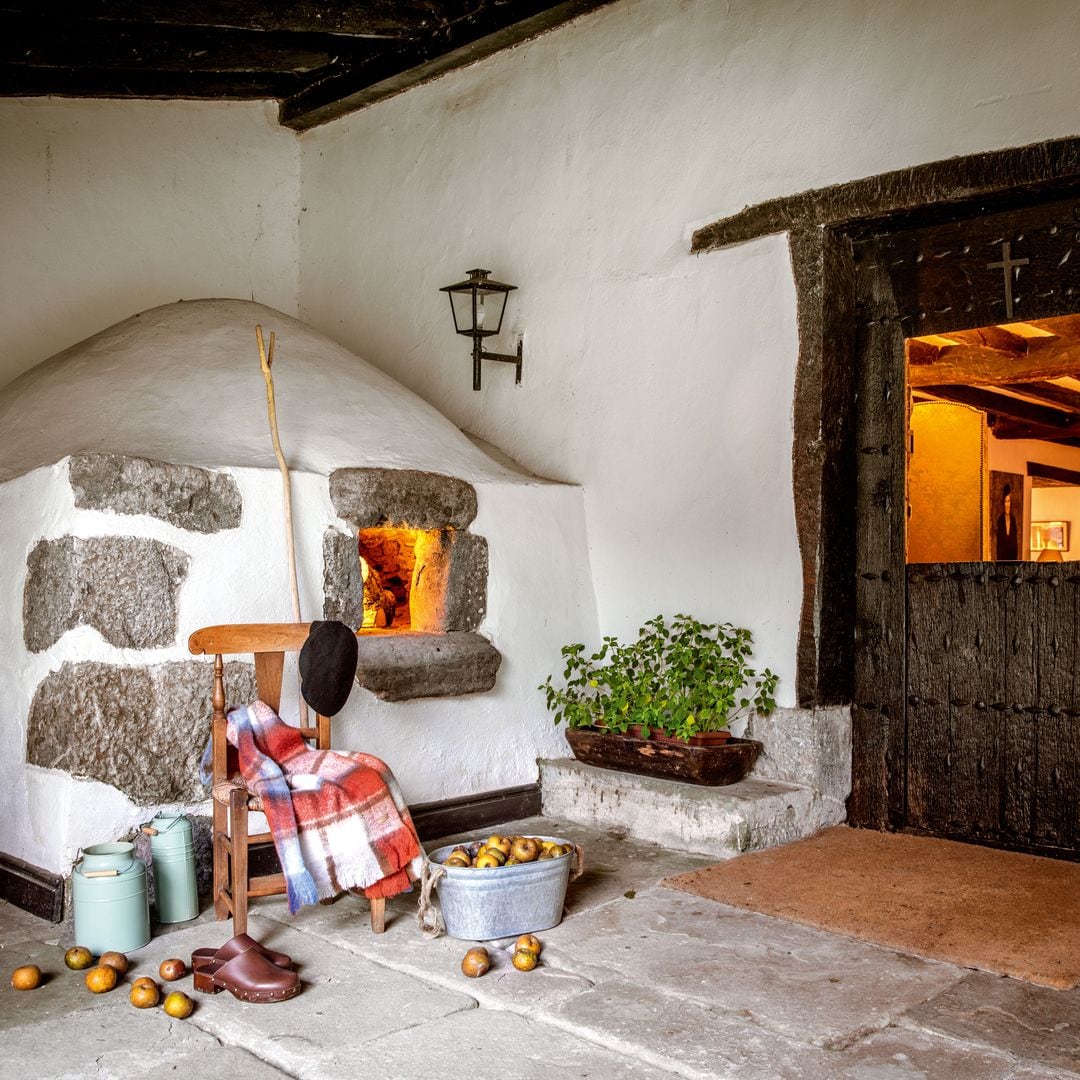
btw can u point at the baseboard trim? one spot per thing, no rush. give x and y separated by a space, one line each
42 893
434 820
31 888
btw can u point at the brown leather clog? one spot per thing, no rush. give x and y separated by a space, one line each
234 947
248 976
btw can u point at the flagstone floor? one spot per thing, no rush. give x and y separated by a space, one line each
637 981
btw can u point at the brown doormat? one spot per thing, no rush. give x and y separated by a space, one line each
999 911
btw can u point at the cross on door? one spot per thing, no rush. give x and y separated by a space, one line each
1006 266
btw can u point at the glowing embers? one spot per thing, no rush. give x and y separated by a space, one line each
387 559
406 573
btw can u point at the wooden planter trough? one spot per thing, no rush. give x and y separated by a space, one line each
723 763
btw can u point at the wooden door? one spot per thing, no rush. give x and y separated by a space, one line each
966 712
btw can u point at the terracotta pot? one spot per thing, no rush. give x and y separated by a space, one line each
726 762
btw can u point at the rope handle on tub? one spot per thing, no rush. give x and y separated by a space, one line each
429 916
577 867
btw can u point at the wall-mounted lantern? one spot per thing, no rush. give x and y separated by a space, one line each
478 305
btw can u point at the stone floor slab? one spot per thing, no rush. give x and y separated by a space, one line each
690 1036
438 961
213 1063
803 983
903 1054
346 1002
17 925
1030 1021
489 1045
62 992
109 1040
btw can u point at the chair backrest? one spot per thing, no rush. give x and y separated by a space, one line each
268 642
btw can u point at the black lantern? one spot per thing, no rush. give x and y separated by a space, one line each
478 305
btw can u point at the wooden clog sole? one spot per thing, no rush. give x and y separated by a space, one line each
255 997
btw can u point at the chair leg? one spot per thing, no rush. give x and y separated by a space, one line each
238 822
378 914
221 860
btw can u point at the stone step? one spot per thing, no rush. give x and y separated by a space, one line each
719 821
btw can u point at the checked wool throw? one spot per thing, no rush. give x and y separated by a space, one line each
338 819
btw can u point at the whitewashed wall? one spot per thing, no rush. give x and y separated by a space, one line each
538 594
111 207
576 166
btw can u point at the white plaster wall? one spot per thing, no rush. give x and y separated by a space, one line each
576 166
539 595
111 207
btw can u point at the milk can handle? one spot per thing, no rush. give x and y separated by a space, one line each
430 917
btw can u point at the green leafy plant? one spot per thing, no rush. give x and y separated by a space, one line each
680 678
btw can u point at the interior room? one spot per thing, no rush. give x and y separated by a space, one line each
994 461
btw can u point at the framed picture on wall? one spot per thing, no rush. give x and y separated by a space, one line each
1006 516
1049 534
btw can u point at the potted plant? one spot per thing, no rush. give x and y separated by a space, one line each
682 682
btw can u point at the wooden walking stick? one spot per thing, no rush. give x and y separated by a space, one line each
266 359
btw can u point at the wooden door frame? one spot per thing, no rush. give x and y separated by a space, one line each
823 226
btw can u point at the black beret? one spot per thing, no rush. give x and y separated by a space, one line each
328 666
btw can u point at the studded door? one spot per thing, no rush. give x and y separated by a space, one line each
966 712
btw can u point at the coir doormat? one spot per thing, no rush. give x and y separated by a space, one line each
999 911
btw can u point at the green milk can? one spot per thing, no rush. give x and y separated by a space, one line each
108 889
172 857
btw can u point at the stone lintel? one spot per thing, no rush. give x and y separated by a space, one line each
400 666
407 498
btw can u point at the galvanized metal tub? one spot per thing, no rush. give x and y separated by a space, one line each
503 901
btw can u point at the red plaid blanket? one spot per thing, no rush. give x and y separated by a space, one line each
338 818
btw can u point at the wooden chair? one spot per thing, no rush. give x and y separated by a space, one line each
269 642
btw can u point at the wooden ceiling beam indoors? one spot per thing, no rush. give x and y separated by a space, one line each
997 355
969 365
1001 405
372 18
1048 393
1015 429
320 60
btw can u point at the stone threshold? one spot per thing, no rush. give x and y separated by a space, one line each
720 821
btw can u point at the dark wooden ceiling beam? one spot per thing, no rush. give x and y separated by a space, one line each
490 28
1015 429
118 83
970 365
1053 474
320 59
1049 392
1004 406
991 337
396 19
37 43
